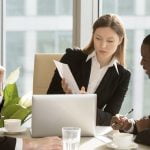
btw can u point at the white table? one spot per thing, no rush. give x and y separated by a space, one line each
87 143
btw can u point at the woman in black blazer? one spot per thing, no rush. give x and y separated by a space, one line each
99 68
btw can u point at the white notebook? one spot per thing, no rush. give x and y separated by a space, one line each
64 72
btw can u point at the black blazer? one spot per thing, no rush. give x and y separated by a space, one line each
110 92
7 143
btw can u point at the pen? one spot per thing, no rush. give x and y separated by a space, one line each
128 112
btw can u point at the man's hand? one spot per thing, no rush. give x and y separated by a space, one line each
120 122
47 143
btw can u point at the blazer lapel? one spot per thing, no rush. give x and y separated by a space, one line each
86 69
109 76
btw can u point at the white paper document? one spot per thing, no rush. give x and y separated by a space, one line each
103 133
64 72
102 130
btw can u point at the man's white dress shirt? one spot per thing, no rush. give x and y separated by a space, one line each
19 144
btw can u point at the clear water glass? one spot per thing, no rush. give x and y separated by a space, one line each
71 138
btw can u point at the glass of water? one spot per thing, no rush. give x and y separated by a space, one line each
71 138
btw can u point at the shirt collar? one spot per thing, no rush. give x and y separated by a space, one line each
114 61
93 54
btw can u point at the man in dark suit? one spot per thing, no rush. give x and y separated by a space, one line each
10 143
140 127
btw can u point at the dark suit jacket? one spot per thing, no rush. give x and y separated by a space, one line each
142 131
7 143
142 124
110 92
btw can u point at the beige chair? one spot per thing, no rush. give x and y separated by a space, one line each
43 71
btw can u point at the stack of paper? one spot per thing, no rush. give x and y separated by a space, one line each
65 73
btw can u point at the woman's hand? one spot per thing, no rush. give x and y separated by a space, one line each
67 90
82 91
65 87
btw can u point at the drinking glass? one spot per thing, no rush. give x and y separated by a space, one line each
71 138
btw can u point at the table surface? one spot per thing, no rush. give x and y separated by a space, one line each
87 143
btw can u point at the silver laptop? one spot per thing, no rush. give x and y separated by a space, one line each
52 112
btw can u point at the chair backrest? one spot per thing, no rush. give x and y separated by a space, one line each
44 68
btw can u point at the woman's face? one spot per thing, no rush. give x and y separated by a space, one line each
106 42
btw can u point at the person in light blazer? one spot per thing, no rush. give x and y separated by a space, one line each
140 127
99 68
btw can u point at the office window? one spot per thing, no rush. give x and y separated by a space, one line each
32 26
124 6
54 7
15 45
65 7
15 52
64 40
15 7
147 5
46 7
129 61
47 43
118 6
138 93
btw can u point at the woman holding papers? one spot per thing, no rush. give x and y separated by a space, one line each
99 68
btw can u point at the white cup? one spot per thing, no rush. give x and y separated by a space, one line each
122 140
12 125
71 138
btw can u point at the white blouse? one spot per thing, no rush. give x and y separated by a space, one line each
97 73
